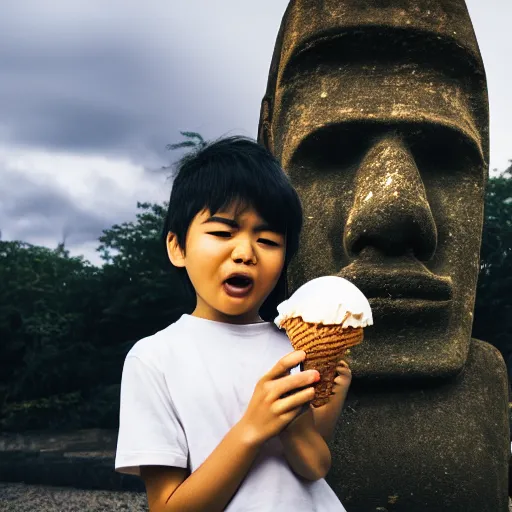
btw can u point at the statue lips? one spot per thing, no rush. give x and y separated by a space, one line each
406 286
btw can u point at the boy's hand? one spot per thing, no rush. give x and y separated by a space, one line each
327 415
343 379
269 411
340 388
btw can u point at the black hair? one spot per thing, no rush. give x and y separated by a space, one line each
236 170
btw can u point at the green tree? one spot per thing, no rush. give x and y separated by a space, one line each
43 297
493 308
66 326
148 291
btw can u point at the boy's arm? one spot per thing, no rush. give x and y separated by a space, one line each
211 486
326 416
305 439
305 449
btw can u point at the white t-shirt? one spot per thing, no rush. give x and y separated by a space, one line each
183 389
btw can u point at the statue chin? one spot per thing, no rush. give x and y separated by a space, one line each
392 352
413 334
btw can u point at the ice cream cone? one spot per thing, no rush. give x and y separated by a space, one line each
324 346
324 317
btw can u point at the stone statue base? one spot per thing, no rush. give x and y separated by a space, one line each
415 447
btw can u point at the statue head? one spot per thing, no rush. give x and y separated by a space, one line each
378 112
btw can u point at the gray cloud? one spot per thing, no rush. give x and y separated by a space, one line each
97 101
124 78
121 79
33 210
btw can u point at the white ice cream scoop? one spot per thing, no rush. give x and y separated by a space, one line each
328 300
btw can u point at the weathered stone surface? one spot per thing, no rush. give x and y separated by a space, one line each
426 447
378 112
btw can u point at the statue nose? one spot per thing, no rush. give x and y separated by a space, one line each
390 211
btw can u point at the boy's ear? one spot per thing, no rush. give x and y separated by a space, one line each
174 251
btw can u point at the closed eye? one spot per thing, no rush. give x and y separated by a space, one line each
223 234
268 242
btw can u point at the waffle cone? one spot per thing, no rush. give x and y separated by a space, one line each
324 346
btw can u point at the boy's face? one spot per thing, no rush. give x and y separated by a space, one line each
233 260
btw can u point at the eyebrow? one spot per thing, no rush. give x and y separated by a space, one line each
234 224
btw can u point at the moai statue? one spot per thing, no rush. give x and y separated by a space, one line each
378 112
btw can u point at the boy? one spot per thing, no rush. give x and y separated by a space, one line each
211 417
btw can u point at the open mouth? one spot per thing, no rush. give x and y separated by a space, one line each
238 285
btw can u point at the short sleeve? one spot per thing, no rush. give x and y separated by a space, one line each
150 432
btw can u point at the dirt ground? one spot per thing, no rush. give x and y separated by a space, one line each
16 497
39 498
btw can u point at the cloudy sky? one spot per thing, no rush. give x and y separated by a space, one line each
91 91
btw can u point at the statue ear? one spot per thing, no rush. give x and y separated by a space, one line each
265 136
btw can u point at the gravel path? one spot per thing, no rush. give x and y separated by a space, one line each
15 497
39 498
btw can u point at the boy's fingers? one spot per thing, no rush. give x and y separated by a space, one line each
292 383
343 372
343 367
285 364
297 400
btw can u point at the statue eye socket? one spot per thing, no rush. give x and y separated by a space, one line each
336 147
442 151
